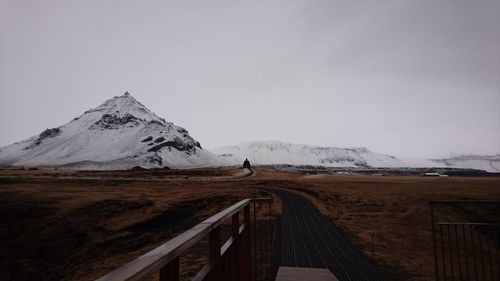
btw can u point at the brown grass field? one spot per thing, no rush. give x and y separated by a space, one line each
64 225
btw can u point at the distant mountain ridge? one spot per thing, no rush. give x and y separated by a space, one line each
277 152
119 134
489 163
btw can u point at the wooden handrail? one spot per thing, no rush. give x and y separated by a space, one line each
464 202
158 258
468 223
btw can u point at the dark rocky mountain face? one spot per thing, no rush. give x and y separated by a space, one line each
112 122
49 133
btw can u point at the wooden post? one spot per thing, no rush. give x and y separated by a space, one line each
235 251
373 250
244 263
170 272
214 245
214 254
236 224
433 229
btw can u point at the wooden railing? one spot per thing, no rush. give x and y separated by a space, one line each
232 261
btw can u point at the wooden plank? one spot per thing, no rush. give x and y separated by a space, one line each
464 201
219 218
153 261
300 274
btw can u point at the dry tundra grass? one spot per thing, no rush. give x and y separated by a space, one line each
80 225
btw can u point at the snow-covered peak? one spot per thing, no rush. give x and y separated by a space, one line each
120 133
125 104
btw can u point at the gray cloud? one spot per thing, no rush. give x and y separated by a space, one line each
411 78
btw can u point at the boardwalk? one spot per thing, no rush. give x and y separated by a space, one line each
310 240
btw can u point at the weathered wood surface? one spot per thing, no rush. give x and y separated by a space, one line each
301 274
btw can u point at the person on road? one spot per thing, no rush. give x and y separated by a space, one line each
246 164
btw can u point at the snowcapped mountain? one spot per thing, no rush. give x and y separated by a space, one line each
479 162
119 134
275 152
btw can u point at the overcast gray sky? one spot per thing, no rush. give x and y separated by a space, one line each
404 77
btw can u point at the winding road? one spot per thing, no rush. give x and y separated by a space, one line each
310 240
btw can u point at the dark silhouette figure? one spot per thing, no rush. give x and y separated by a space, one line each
246 164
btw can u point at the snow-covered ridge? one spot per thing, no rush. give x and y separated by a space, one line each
276 152
479 162
120 133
